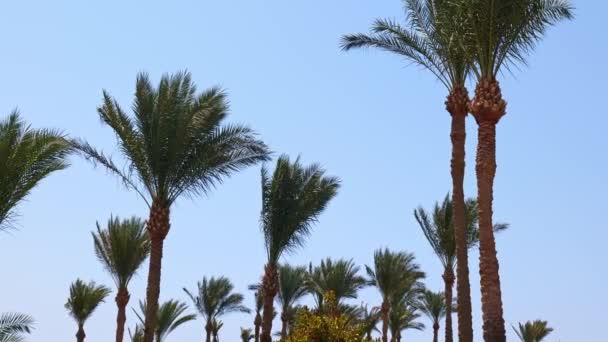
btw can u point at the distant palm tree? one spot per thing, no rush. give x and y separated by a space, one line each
534 331
395 275
246 335
433 305
293 198
122 247
369 320
259 305
27 156
499 34
292 288
403 317
170 315
215 329
215 298
339 276
176 145
14 325
82 302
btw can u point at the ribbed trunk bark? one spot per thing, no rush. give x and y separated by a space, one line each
122 299
385 317
456 105
283 324
269 288
80 335
257 323
448 279
488 107
158 227
208 332
435 332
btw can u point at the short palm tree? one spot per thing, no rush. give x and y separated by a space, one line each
83 300
14 325
293 198
247 335
259 305
340 277
176 144
403 317
27 156
430 39
216 326
369 320
214 298
534 331
499 34
433 305
170 315
292 288
395 275
122 247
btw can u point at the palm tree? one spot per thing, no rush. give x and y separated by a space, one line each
394 274
215 329
500 33
438 228
170 315
14 325
83 300
246 335
122 247
27 156
434 306
176 144
403 317
430 39
535 331
259 304
292 201
340 277
369 320
292 288
215 298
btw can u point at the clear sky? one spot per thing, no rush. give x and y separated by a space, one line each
367 116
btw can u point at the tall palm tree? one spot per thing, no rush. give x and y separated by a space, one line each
369 320
430 39
14 325
340 277
214 298
500 33
170 315
394 274
83 300
122 247
293 198
27 156
403 317
175 144
535 331
438 228
434 306
292 288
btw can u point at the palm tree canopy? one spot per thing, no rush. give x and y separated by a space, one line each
176 142
403 317
171 314
247 335
84 299
292 285
26 157
430 38
432 304
534 331
292 201
394 273
339 276
215 298
122 247
14 325
369 319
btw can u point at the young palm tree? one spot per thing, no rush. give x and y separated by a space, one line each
292 201
394 274
215 298
27 156
430 39
14 325
259 305
535 331
499 33
176 144
122 247
369 320
433 305
292 288
83 300
215 329
170 315
246 335
340 276
403 317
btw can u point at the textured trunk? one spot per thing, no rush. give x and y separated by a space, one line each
488 107
208 332
435 332
385 317
456 105
158 227
257 323
122 299
284 324
80 335
269 288
448 279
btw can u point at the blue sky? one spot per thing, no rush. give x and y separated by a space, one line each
367 116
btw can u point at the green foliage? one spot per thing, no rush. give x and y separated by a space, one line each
534 331
394 273
340 277
432 304
14 325
26 157
84 299
171 314
292 285
247 335
369 319
403 317
216 298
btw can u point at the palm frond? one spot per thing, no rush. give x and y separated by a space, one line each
84 299
14 325
341 277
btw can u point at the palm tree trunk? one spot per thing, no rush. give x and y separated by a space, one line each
435 332
257 323
284 324
269 288
122 299
488 108
448 279
456 104
208 332
385 317
158 227
80 335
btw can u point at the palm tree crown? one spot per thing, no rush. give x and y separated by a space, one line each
171 314
340 277
292 285
432 304
84 299
393 271
246 335
534 331
216 298
14 325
